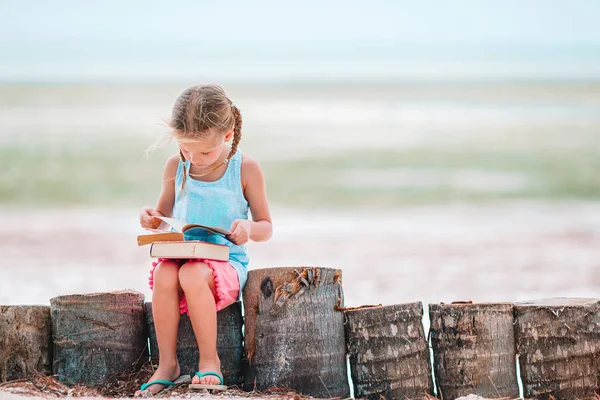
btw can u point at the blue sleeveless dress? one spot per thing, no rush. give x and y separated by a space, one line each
216 203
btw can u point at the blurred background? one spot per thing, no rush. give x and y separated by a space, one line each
432 150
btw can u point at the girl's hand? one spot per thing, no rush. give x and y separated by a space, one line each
240 231
147 220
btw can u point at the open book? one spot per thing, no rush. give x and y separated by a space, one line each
180 228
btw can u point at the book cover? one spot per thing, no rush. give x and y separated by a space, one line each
189 249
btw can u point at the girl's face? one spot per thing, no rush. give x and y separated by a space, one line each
204 152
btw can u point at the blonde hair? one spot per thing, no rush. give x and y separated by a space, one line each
201 111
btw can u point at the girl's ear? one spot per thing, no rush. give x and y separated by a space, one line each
229 135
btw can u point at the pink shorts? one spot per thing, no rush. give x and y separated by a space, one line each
227 284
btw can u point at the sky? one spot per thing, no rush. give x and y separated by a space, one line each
42 40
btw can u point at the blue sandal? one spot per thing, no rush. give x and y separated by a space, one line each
201 375
157 382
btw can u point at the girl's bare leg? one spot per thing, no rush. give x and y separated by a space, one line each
196 279
165 308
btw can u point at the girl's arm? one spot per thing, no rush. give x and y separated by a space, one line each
166 199
253 184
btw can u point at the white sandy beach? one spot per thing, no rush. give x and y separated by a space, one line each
509 252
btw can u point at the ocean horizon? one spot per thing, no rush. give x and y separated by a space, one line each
108 62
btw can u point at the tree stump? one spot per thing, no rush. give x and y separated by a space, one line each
558 341
25 341
229 343
97 335
294 334
474 349
389 356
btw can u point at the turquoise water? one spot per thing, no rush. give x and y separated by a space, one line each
101 61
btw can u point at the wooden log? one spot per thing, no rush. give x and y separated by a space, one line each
294 334
25 341
229 343
558 341
389 356
97 335
474 349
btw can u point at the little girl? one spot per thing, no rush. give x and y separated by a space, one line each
211 183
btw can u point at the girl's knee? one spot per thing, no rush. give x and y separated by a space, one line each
194 274
166 274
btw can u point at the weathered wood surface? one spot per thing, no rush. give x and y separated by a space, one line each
229 343
97 335
558 341
25 341
474 349
388 351
294 335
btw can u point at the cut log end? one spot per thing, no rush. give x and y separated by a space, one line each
474 349
558 341
559 302
293 335
98 335
388 352
25 342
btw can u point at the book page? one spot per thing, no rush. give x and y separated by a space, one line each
181 226
173 223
